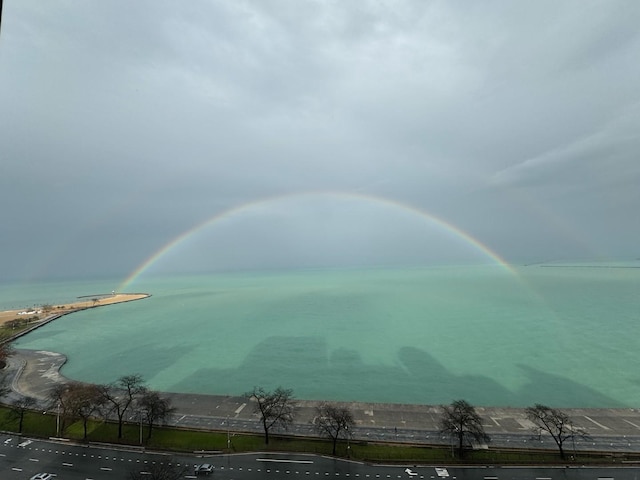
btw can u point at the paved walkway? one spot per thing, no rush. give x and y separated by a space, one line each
34 373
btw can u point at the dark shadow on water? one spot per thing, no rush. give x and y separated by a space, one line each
306 364
443 386
557 391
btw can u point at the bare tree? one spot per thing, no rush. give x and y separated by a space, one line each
19 407
121 395
75 401
58 401
154 408
461 421
5 386
16 323
84 401
6 350
276 408
333 421
556 423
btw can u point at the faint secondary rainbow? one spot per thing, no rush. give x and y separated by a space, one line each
446 226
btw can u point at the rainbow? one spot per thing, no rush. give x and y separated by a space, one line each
218 217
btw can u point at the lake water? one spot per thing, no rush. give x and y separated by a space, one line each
563 336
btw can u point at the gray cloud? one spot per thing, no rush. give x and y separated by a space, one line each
124 125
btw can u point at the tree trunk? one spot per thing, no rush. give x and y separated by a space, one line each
266 433
120 426
335 441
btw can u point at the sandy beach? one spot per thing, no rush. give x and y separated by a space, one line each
83 303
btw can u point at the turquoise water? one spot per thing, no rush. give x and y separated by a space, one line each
563 336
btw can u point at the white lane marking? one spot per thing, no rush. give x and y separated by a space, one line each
34 460
65 464
596 423
282 460
8 440
106 469
442 472
25 443
410 472
239 409
630 423
16 469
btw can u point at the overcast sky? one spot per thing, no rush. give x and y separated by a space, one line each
124 124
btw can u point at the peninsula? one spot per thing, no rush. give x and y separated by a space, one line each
90 301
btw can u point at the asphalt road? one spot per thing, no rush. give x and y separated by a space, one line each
20 458
595 442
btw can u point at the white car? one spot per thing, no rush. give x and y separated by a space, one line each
205 468
43 476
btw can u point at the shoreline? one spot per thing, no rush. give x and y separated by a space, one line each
55 311
99 300
35 372
365 341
